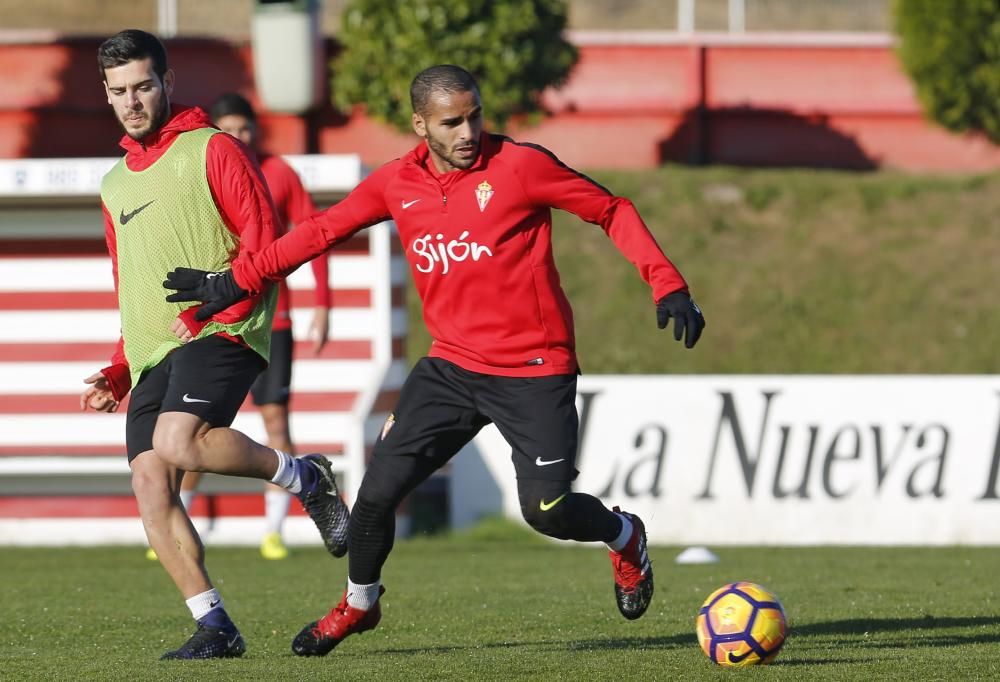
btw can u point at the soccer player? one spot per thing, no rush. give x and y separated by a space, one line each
233 114
187 192
473 211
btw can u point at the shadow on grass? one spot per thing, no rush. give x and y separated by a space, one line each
873 626
867 634
632 643
862 634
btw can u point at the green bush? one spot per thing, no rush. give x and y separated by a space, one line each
952 51
514 48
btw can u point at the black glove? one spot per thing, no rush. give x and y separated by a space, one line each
686 313
217 290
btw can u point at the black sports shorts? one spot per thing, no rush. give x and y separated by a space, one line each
442 407
274 383
207 377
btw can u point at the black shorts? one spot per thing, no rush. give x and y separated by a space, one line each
442 407
274 383
207 377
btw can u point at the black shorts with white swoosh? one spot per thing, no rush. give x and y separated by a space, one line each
443 406
207 377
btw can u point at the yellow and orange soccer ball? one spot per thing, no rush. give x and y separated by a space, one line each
741 624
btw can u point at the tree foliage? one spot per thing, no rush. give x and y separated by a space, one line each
514 48
952 52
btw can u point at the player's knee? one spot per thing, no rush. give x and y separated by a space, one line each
150 485
546 508
374 508
384 487
554 522
176 446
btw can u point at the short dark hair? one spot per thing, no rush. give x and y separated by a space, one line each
232 104
440 78
129 45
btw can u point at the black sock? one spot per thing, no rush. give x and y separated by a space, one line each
371 533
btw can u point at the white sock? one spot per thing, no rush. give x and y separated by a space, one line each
362 596
287 475
201 604
276 509
187 499
618 544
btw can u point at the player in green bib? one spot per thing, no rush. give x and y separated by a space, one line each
186 193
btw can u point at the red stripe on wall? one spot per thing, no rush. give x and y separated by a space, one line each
58 300
97 450
76 246
63 403
124 506
118 449
49 403
100 353
107 300
60 246
339 298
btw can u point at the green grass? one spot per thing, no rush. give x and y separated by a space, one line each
498 605
798 271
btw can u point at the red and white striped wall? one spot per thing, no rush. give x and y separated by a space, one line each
63 473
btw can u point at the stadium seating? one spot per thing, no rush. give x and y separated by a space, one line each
63 473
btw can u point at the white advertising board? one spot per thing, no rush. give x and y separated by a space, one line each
780 460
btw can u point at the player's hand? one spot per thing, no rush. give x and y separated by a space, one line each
319 330
688 320
216 290
98 396
180 330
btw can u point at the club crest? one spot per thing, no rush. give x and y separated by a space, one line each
484 192
389 422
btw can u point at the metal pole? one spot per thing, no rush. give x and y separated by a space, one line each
737 16
685 16
166 17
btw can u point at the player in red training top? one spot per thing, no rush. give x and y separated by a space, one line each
474 215
233 114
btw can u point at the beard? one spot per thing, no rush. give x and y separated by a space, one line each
453 159
155 121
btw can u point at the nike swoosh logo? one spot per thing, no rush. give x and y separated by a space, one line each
545 506
188 399
407 204
213 604
332 484
232 642
125 217
539 462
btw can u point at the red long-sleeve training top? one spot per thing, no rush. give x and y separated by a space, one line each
479 247
294 205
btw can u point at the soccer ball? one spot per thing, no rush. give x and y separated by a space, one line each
741 624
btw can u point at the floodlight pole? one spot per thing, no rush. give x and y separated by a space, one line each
685 16
737 16
166 18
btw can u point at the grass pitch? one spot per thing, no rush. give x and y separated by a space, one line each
500 604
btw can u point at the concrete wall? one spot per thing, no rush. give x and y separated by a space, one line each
634 101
